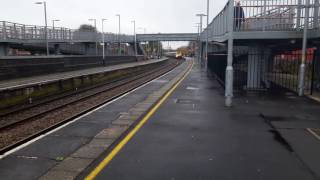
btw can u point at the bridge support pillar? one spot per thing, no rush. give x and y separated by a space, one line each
257 67
229 75
4 49
302 69
57 49
86 48
229 69
316 14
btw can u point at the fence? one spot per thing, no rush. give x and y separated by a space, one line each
263 69
265 15
16 31
315 86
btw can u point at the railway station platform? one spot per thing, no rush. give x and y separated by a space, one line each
177 127
50 78
193 136
65 152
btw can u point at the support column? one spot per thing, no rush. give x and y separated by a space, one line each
4 49
304 50
299 14
229 69
254 68
86 48
257 67
266 61
57 50
316 14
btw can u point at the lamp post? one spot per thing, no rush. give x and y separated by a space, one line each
144 30
200 44
54 34
119 50
103 42
198 30
207 34
229 69
95 26
55 20
302 68
146 45
46 25
135 38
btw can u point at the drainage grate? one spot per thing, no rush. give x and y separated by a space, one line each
315 132
185 101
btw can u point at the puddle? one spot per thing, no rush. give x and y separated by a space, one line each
192 88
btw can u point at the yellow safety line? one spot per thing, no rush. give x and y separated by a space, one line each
117 149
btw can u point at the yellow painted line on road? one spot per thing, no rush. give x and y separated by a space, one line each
123 142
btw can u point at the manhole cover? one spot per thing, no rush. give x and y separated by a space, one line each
315 132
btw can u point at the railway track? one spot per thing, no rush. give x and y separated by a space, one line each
23 125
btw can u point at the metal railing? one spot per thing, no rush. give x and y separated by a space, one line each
265 15
16 31
275 69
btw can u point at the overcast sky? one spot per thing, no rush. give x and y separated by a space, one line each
166 16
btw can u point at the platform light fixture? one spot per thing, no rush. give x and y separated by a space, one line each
103 41
200 44
135 37
46 24
95 26
53 21
119 50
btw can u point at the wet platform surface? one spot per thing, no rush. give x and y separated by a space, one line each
66 152
193 136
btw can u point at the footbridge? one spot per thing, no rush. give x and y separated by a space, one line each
21 33
264 19
263 44
245 42
168 37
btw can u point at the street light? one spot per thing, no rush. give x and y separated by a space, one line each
54 34
119 51
198 28
207 31
201 16
103 43
135 37
95 26
302 68
55 20
46 24
196 45
144 30
146 45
